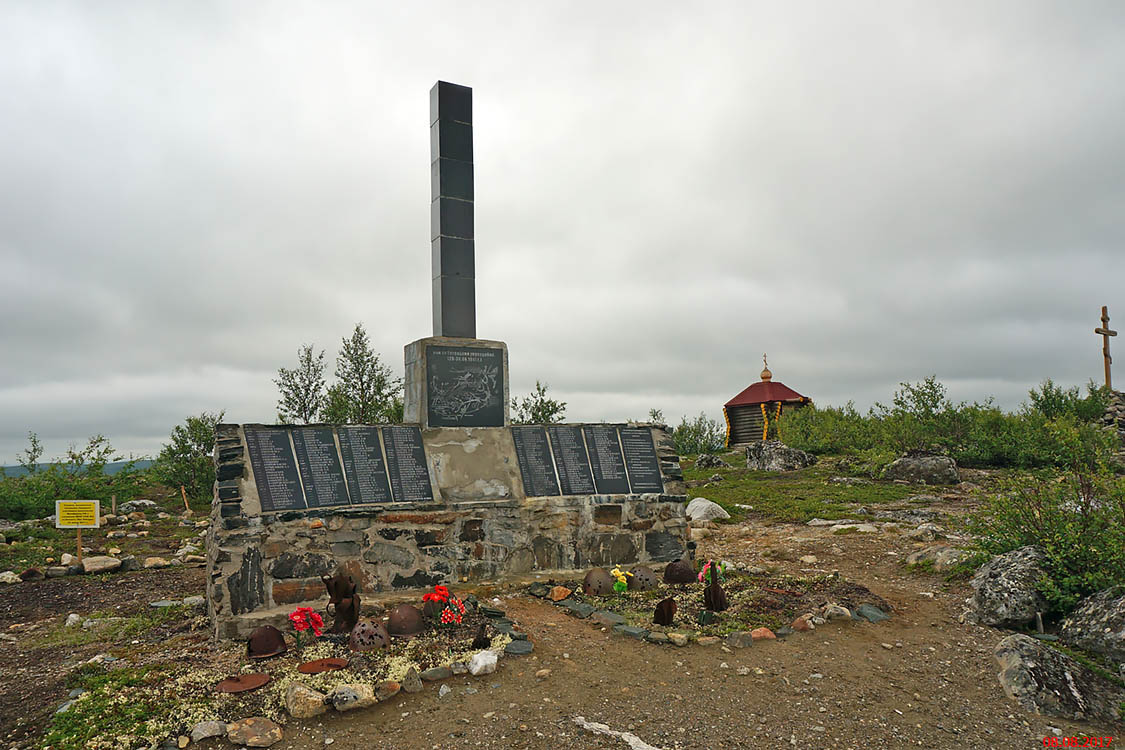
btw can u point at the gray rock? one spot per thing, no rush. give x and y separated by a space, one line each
702 509
100 564
194 601
1098 624
1048 682
133 506
444 690
433 674
128 563
923 469
1004 589
631 631
710 461
608 619
518 648
348 697
56 571
871 613
941 557
740 639
73 620
163 604
776 456
412 682
926 532
302 702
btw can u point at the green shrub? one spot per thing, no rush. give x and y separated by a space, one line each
186 460
701 435
1079 521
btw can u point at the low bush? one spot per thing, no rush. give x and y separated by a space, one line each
700 435
1078 519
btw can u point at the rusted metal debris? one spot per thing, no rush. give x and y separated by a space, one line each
265 642
243 683
322 665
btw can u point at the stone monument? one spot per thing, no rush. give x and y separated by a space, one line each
453 494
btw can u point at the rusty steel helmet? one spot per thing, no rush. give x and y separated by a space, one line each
598 582
368 635
643 579
405 620
665 612
265 642
680 571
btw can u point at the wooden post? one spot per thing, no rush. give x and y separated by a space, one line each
79 545
183 494
113 504
1105 333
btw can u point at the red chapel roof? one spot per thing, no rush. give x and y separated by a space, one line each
763 392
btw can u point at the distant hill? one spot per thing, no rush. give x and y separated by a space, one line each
110 468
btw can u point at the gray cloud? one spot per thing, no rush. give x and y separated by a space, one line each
870 193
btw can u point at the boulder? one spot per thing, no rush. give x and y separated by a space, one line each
941 557
256 731
1098 624
923 468
303 702
100 564
9 576
1048 682
1005 593
710 461
135 506
776 456
702 509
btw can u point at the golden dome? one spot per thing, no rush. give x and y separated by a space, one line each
766 374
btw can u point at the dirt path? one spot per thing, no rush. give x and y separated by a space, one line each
935 687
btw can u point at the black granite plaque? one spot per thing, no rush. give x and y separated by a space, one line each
406 464
275 470
364 465
605 459
319 464
465 386
533 454
573 464
640 460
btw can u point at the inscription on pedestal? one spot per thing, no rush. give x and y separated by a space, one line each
364 465
406 464
275 470
571 460
640 460
319 464
606 460
465 386
533 455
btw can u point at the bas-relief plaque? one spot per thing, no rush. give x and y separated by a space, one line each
641 462
465 386
606 459
406 464
573 464
319 465
364 465
275 471
533 455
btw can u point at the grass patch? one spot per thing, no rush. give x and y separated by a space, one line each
794 496
113 628
117 710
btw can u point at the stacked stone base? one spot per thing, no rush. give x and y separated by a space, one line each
262 571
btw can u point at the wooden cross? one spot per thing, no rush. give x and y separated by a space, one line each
1105 333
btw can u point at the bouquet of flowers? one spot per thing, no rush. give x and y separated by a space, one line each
705 574
453 610
304 618
622 576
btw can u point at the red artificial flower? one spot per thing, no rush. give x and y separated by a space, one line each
460 605
443 592
431 597
299 620
316 622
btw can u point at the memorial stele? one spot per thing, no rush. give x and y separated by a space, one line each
455 493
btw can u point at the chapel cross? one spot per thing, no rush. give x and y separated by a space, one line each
1105 333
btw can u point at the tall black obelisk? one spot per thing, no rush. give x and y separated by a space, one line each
451 210
454 379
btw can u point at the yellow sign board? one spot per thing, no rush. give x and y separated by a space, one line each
77 514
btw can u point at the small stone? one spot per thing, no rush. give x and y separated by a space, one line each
72 621
412 682
518 648
256 731
762 634
114 550
433 674
386 690
678 639
808 559
608 619
163 604
100 564
741 639
558 593
207 729
9 576
182 741
303 702
459 667
743 670
886 646
708 640
543 674
538 589
656 636
483 662
67 559
194 601
836 612
871 613
444 690
156 562
347 697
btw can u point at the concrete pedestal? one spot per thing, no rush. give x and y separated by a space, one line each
456 382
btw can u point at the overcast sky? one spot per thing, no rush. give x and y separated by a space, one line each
869 192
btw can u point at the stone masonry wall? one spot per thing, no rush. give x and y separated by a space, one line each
262 565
